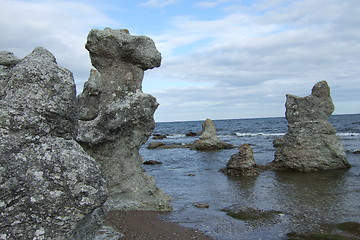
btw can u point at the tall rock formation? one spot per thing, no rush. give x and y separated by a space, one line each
311 143
116 117
208 139
50 188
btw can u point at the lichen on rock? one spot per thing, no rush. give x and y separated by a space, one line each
122 121
242 163
48 183
208 139
311 143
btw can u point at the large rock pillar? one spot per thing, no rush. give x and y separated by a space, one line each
311 143
116 117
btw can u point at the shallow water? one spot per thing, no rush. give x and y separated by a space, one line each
306 201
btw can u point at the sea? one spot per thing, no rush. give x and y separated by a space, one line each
304 202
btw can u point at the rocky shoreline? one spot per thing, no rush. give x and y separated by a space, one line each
70 166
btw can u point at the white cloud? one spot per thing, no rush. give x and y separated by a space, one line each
59 26
258 56
210 4
159 3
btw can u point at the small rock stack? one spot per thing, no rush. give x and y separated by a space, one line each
242 163
208 139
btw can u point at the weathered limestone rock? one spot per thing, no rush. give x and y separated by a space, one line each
208 139
242 163
114 130
49 187
311 143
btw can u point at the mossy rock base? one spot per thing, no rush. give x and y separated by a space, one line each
350 227
317 236
250 214
342 231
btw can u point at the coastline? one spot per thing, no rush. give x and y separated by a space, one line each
150 225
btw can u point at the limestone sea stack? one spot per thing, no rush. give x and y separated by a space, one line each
208 139
311 143
116 117
50 188
242 163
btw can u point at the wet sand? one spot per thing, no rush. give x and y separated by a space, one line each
150 225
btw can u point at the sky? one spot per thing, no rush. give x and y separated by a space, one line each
221 59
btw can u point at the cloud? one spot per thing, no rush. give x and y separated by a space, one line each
257 57
211 4
159 3
59 26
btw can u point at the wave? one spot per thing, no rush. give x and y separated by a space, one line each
240 134
179 135
348 134
259 134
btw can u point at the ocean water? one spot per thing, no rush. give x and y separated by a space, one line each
306 201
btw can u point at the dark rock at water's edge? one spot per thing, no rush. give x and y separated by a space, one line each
242 163
208 139
152 162
154 145
201 205
50 188
159 136
117 117
191 134
311 143
242 213
356 152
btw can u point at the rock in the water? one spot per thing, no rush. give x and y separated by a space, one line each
152 162
159 136
122 120
154 145
50 188
311 143
242 163
356 151
191 134
201 205
208 139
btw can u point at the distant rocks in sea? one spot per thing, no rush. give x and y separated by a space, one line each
311 143
159 136
208 139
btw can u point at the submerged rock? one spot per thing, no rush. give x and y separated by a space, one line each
50 188
208 139
152 162
311 143
201 205
154 145
114 130
242 163
251 214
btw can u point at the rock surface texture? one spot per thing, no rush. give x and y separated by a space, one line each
50 188
208 139
311 143
116 117
242 163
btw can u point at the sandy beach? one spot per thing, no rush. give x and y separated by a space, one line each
150 225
